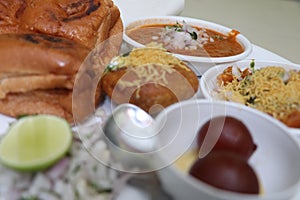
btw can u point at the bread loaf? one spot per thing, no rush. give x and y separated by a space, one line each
43 46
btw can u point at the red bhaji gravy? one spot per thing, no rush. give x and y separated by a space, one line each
222 45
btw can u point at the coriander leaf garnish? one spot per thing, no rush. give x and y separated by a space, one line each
29 198
126 54
111 67
252 64
194 35
183 28
219 37
176 27
251 100
115 64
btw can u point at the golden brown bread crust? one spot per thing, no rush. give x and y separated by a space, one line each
45 43
57 102
87 82
37 61
22 84
38 102
10 13
87 22
182 84
40 54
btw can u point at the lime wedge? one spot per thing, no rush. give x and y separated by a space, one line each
35 142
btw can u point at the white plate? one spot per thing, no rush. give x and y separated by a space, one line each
4 123
135 193
131 9
208 82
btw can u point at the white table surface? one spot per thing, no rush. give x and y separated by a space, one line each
131 9
174 7
271 24
258 53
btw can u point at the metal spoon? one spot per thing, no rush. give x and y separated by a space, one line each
131 129
130 134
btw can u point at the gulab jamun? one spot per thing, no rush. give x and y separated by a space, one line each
226 170
226 133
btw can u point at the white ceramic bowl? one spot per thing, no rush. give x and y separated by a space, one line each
208 82
276 159
202 63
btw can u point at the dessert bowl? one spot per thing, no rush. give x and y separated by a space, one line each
276 159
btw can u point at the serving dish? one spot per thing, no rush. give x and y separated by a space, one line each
268 159
130 191
209 84
142 8
202 62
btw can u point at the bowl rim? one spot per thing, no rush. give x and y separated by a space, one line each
197 22
212 72
219 193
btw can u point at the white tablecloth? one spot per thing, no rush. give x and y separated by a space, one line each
132 9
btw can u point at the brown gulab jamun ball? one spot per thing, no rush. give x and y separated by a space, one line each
226 170
234 136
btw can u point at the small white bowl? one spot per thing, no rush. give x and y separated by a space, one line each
276 159
208 82
202 63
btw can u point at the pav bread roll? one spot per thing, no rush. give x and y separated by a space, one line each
10 14
150 78
37 74
43 45
87 22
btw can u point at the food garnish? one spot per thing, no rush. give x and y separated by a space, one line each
144 56
252 65
272 89
77 175
186 39
148 77
183 28
184 36
35 142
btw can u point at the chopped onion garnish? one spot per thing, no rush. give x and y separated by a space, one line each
76 176
236 72
286 77
184 37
